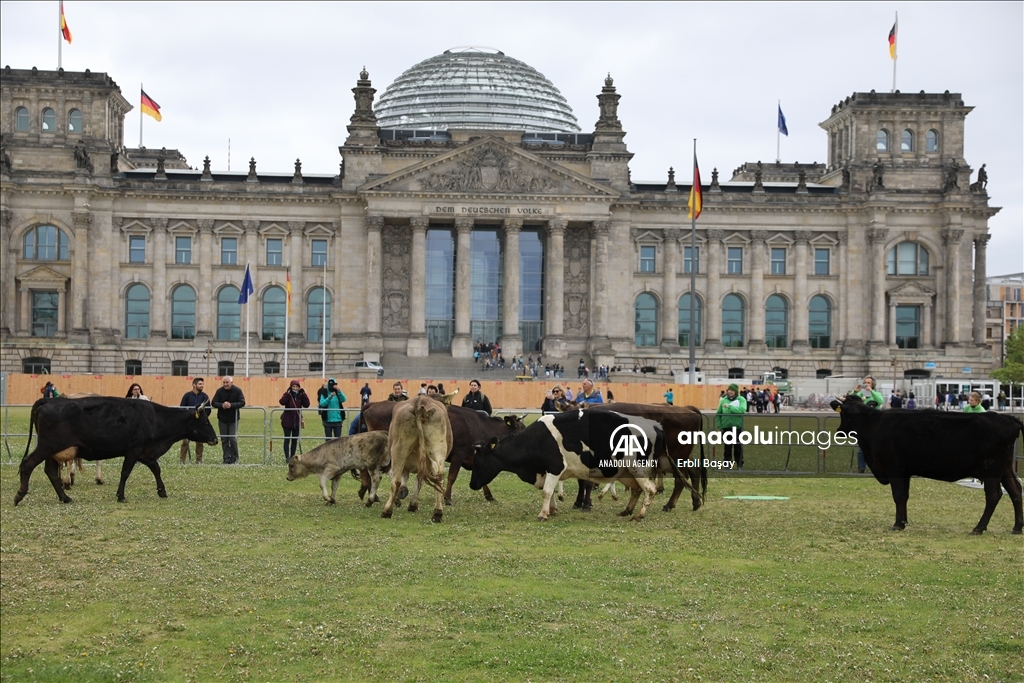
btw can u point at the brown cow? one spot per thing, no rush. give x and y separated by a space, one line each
332 459
420 439
673 420
469 427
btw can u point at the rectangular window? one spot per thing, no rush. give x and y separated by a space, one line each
821 262
647 259
44 314
908 327
274 252
691 259
137 249
229 251
319 253
183 250
778 261
735 261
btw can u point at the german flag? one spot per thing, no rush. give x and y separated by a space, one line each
892 39
288 288
150 107
64 30
696 202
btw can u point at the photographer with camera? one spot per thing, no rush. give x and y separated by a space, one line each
294 400
332 407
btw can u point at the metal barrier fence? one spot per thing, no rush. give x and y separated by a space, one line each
801 443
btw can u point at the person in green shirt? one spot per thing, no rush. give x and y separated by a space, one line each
867 393
729 418
974 403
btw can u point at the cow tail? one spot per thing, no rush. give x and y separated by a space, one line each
703 474
31 424
425 466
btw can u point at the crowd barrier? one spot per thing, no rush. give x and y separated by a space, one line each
801 443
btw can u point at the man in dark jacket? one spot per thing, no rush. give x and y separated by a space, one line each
293 400
194 399
228 400
475 399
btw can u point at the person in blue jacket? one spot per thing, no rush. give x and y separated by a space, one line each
333 405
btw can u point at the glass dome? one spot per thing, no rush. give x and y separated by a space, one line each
474 88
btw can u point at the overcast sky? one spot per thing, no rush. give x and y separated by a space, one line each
276 78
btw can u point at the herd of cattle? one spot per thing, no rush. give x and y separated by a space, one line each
418 436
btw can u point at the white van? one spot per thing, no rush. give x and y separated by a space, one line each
370 365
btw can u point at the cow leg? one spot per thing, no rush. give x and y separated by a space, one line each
99 467
365 481
154 467
650 489
561 490
438 496
546 508
993 492
28 464
634 496
52 469
583 500
453 474
375 476
126 469
1014 490
414 502
397 465
677 490
900 494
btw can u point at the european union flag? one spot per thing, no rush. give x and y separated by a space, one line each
782 123
247 288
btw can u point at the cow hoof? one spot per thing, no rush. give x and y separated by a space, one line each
99 482
577 506
162 494
414 507
66 500
625 513
587 508
386 514
376 498
330 501
398 503
666 508
977 532
369 503
448 502
18 497
403 493
542 518
362 492
561 499
897 527
437 517
637 518
1017 530
121 499
490 499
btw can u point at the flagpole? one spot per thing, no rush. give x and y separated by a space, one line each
895 52
323 323
778 137
60 35
246 327
693 275
141 90
287 314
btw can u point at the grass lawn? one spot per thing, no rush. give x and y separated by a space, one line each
240 575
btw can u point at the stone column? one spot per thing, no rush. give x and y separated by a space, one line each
800 303
102 287
511 341
462 343
669 294
554 291
417 345
926 325
599 328
26 305
877 237
7 288
296 269
891 336
252 258
62 307
841 316
713 298
80 279
755 332
951 238
980 248
158 319
374 255
204 298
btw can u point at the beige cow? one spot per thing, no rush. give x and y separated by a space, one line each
332 459
420 439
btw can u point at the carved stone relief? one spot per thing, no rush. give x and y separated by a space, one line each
488 169
576 287
396 278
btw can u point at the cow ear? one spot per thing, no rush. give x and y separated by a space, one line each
836 406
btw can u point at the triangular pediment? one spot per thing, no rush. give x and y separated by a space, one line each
911 292
489 166
42 274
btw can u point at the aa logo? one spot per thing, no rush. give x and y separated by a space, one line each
628 441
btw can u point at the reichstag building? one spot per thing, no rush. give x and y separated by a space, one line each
470 205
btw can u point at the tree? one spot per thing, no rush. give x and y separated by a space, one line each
1013 367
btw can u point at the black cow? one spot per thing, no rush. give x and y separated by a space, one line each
99 428
578 444
899 444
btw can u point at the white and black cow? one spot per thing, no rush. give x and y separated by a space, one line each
579 444
900 444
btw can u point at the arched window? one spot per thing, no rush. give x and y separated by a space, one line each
136 312
819 323
907 258
49 121
183 313
882 141
229 314
732 321
35 366
931 141
646 309
776 322
46 243
684 320
274 309
907 141
21 120
318 315
74 121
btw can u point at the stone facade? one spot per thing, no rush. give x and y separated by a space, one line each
886 240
